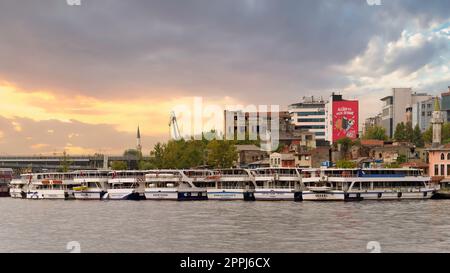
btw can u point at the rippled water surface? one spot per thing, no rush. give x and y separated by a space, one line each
214 226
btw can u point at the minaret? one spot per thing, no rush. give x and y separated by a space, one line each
138 139
437 120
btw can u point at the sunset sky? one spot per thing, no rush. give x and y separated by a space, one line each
81 78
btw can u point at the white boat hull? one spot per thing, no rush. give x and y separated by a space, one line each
394 195
15 193
225 194
88 195
161 194
122 194
323 196
46 194
274 195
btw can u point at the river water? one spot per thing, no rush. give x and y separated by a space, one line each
214 226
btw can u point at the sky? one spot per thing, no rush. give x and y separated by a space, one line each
81 78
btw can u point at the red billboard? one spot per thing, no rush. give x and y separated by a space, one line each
345 119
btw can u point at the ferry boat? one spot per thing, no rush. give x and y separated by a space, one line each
175 185
277 184
6 175
19 186
231 184
51 186
93 184
365 184
126 185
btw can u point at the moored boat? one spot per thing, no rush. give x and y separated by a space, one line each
126 185
51 186
93 184
365 184
6 175
277 184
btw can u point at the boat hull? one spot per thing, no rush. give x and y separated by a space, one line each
88 195
123 194
226 194
323 196
275 195
192 195
161 194
17 193
47 194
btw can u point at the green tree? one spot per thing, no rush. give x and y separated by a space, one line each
65 163
345 164
119 165
157 155
409 132
346 144
417 138
221 153
146 165
400 132
375 132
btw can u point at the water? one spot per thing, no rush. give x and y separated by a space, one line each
214 226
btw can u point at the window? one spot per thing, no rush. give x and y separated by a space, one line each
442 156
311 120
429 114
423 114
448 169
429 106
436 169
423 106
448 156
442 169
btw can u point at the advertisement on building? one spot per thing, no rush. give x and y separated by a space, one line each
345 119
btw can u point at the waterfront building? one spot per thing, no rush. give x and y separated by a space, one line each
438 155
445 104
372 121
309 115
283 160
342 118
248 154
422 113
396 105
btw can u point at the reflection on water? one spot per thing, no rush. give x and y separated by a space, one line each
210 226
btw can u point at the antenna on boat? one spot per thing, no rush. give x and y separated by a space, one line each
173 124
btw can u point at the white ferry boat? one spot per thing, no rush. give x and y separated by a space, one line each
19 186
231 184
365 184
175 185
126 185
51 186
277 184
163 184
93 184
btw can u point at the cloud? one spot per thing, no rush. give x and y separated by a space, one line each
113 64
34 138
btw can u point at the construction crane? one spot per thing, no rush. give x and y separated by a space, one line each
173 125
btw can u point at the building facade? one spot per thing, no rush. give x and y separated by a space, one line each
445 104
342 118
309 114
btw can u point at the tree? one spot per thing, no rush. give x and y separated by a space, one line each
119 165
346 143
345 164
417 138
428 134
409 132
221 153
65 163
375 132
400 132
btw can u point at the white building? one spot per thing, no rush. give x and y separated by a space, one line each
309 114
395 105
